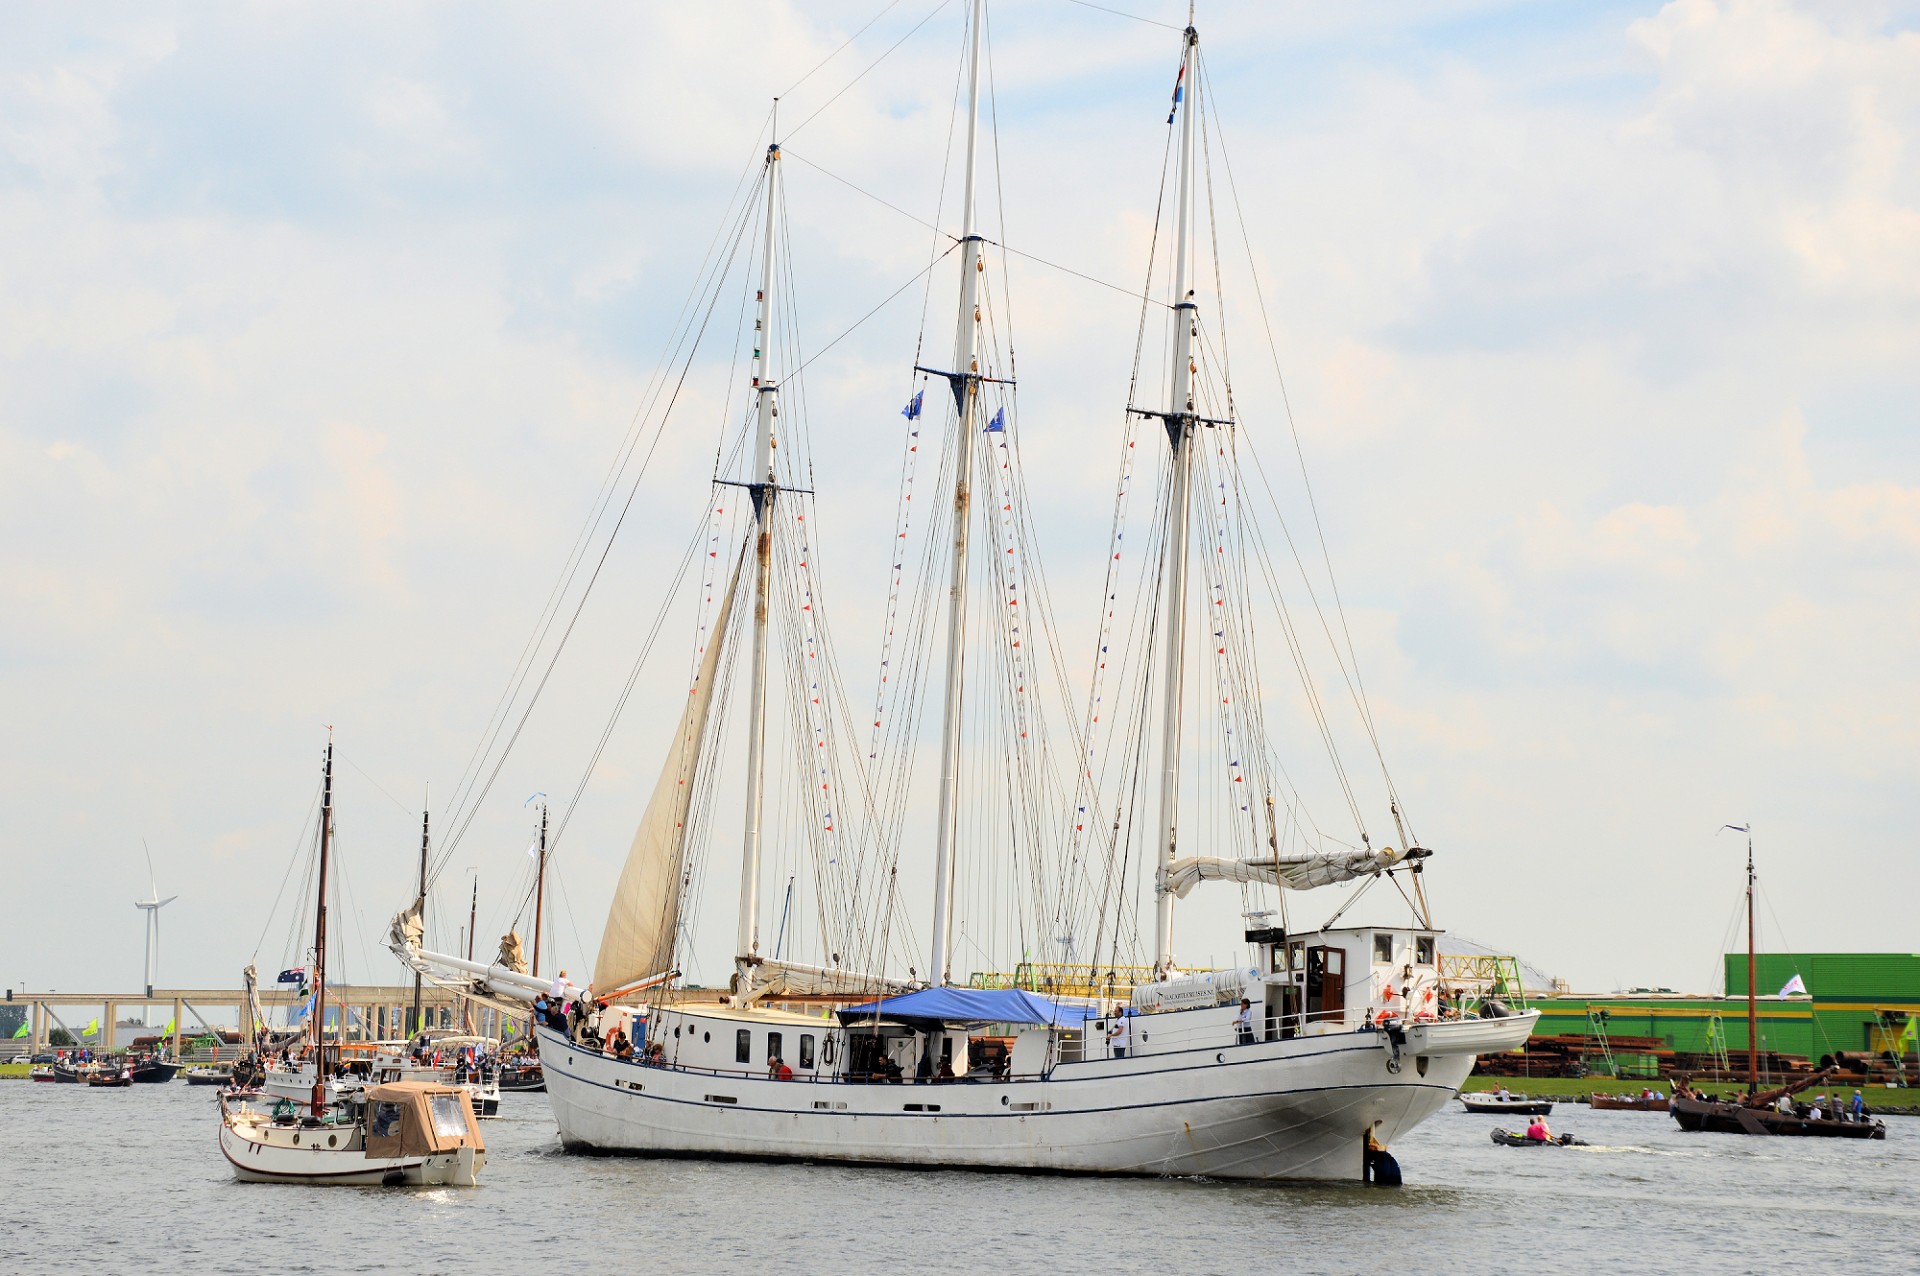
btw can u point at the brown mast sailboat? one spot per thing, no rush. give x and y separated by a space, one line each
1769 1111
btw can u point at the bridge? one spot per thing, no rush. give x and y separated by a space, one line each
367 1011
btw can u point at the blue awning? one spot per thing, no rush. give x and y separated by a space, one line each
971 1005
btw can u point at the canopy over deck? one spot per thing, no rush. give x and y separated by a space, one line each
970 1005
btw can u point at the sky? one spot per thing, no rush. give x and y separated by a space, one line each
321 324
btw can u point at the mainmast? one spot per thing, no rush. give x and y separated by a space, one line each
1181 422
320 938
965 380
1753 1008
425 826
539 888
763 487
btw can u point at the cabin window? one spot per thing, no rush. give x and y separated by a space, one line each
386 1120
743 1046
806 1049
774 1042
1383 947
449 1122
1423 950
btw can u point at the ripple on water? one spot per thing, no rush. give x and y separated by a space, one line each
135 1179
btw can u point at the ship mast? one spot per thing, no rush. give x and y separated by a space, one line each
1181 422
539 889
1753 1009
425 825
320 938
965 380
764 488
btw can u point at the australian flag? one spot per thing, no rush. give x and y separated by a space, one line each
912 410
999 423
298 975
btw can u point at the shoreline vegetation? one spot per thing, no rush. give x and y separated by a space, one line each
1882 1099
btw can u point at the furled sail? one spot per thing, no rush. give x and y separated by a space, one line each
1297 872
769 978
512 955
645 912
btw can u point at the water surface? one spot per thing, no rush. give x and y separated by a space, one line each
133 1181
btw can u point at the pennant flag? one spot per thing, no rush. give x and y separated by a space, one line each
999 423
1909 1037
298 975
300 1012
1179 90
168 1030
22 1030
1794 985
912 410
92 1029
533 852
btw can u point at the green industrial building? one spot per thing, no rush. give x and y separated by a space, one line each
1853 1002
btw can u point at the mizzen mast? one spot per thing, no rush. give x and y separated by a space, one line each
965 380
1181 421
763 486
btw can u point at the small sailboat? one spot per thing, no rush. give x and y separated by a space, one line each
1771 1112
408 1134
402 1133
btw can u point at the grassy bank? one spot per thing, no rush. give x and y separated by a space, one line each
19 1070
1879 1098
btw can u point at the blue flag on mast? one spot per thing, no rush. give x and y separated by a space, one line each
912 410
999 423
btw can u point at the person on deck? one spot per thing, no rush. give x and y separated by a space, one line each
778 1070
1243 1023
1538 1132
1858 1109
1120 1035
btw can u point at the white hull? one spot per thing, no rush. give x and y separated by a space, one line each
261 1153
1299 1108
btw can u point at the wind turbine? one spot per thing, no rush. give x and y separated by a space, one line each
151 906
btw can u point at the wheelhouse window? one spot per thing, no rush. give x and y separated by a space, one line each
1383 947
806 1049
743 1046
1423 950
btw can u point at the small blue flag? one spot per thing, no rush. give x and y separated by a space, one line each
999 423
912 410
298 975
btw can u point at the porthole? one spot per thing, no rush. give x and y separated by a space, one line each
706 1036
1004 1100
331 1139
1220 1058
676 1030
296 1140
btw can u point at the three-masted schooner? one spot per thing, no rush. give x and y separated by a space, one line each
1306 1063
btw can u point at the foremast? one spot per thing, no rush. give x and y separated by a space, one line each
1180 420
965 380
764 489
319 1017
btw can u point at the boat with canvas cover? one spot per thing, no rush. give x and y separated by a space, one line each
407 1134
1307 1062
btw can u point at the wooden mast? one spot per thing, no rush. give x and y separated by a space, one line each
414 1026
1753 1011
320 937
539 889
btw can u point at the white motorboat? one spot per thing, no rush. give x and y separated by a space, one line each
407 1134
1304 1064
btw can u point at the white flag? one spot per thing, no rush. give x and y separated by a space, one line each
1795 985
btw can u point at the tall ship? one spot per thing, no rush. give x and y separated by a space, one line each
1071 813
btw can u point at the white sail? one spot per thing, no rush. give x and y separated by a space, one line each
645 912
772 978
1298 873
